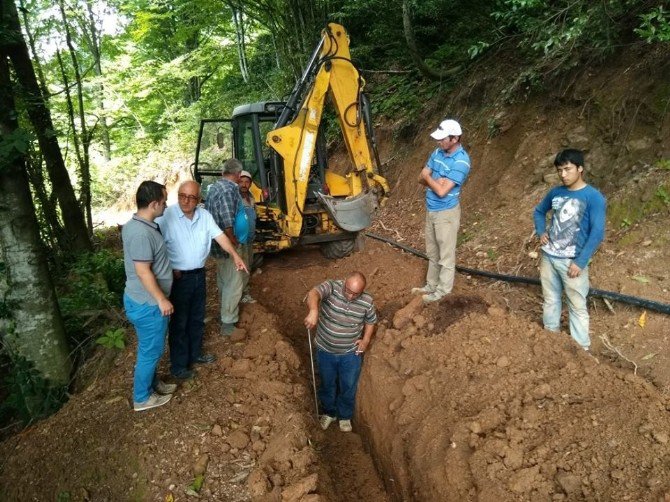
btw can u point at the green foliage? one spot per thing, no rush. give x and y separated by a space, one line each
30 397
477 49
663 194
464 237
94 281
625 214
493 128
6 308
399 97
557 35
197 483
13 145
655 26
113 339
64 496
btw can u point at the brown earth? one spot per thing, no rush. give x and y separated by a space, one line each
465 400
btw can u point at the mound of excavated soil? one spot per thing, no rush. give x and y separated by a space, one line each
495 408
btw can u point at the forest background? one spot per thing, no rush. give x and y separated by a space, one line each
96 96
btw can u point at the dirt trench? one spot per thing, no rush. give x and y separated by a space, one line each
469 400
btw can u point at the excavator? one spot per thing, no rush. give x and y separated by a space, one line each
300 199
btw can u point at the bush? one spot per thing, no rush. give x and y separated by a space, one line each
95 281
29 396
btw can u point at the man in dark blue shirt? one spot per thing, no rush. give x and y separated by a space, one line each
577 228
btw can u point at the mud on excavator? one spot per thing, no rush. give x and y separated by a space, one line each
299 199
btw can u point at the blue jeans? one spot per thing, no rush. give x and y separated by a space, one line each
187 324
151 328
339 378
554 278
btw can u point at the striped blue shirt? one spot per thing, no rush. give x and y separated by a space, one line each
454 166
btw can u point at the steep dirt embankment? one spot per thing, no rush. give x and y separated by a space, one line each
618 112
244 422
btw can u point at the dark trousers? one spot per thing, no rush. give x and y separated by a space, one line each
187 323
339 378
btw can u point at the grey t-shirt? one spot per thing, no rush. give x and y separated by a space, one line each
143 242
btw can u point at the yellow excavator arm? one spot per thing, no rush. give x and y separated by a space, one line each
296 141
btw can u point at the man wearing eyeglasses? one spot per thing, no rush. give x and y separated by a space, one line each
345 318
188 231
443 176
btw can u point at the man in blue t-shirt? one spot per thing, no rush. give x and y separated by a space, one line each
577 228
443 176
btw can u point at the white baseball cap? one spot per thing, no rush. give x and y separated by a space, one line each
446 128
247 174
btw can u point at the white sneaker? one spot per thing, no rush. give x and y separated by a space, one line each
165 388
423 290
325 421
345 425
247 299
154 401
433 297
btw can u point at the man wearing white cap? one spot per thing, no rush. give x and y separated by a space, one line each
443 176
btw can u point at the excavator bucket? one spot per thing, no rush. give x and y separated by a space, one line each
352 214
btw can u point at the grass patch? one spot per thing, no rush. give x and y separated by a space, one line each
626 213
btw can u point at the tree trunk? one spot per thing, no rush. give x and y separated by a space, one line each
33 50
421 65
13 44
94 48
84 144
38 335
47 214
238 21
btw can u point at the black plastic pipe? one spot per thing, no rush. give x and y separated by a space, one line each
610 295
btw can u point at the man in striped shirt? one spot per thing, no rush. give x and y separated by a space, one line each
345 319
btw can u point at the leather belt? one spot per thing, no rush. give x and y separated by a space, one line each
194 271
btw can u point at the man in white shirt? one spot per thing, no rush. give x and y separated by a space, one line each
188 231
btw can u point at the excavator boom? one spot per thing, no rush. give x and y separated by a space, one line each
330 72
300 199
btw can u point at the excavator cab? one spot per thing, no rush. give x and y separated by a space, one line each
299 200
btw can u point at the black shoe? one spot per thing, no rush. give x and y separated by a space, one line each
205 359
184 375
